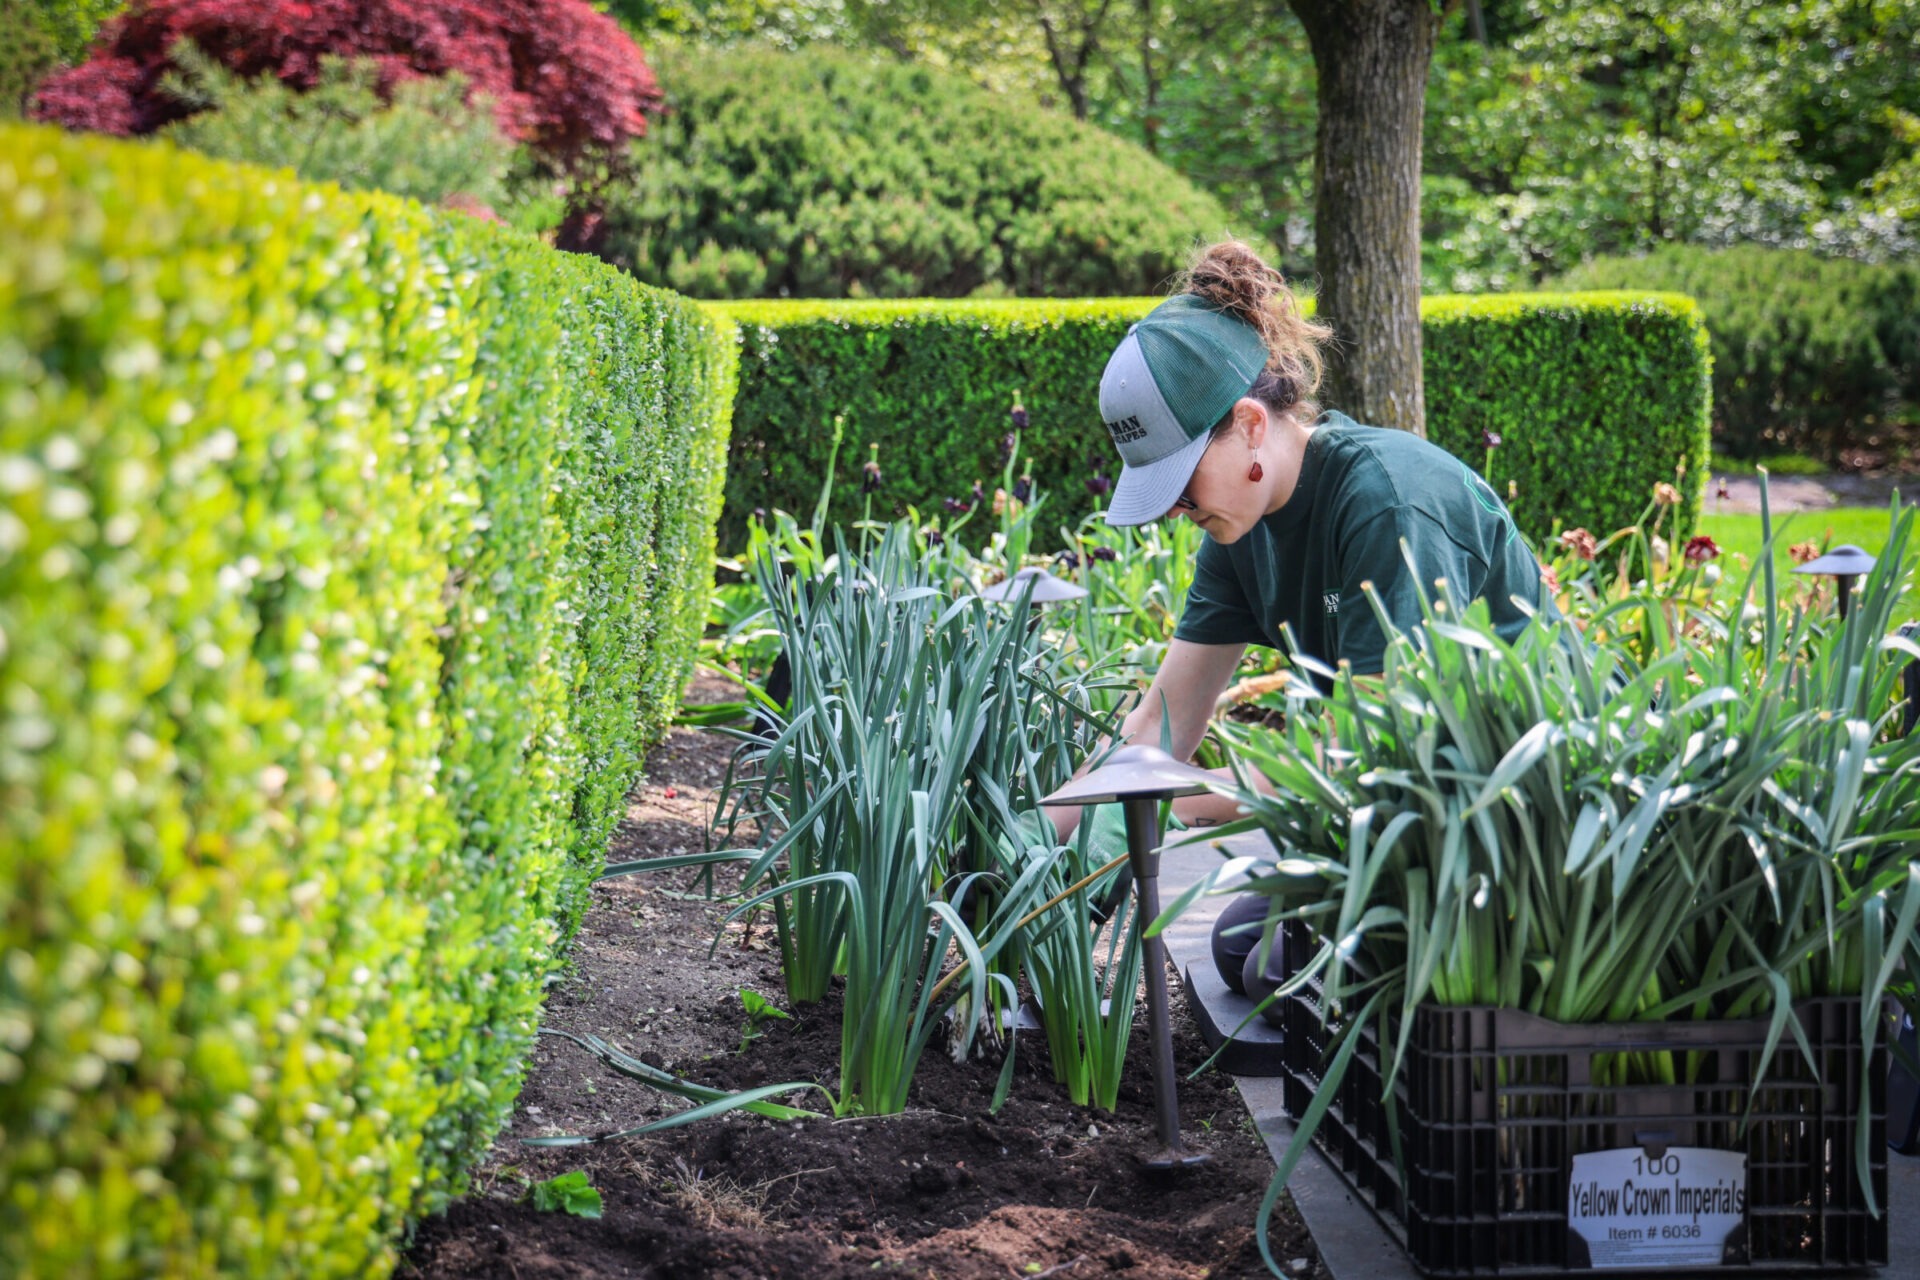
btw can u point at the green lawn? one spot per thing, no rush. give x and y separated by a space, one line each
1864 527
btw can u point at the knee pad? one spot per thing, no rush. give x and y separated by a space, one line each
1235 933
1261 980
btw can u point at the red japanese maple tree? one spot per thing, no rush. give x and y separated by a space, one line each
560 75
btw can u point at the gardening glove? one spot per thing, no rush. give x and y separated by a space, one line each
1107 840
1107 834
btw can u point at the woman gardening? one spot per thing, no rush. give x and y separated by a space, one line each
1208 400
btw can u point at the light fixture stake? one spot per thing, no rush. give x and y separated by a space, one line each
1138 778
1843 564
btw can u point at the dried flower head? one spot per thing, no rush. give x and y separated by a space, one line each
954 506
1550 579
1491 439
1023 488
1721 490
1583 544
1098 485
1102 553
1666 495
1018 414
1803 552
999 501
870 471
1067 560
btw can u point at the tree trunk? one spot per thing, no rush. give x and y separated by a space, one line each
1371 57
1149 81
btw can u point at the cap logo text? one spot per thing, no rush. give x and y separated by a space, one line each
1127 430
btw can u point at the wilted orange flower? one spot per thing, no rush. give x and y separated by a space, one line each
1803 552
1701 549
1666 495
1581 543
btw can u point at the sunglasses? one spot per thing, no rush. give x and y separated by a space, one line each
1183 502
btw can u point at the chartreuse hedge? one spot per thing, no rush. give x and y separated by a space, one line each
1595 396
349 556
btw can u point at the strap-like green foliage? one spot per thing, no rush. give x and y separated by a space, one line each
1596 397
1810 354
339 543
826 174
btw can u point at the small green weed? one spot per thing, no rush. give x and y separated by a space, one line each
760 1011
571 1192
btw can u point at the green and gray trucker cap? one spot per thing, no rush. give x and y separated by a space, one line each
1173 376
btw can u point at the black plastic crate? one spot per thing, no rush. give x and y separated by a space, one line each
1494 1104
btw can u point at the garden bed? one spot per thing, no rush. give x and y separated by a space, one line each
947 1190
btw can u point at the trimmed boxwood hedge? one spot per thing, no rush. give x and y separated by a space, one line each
1596 397
349 557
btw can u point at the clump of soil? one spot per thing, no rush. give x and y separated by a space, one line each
1043 1188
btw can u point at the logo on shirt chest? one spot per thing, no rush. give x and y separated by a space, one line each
1332 600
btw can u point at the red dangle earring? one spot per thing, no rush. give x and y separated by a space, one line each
1254 472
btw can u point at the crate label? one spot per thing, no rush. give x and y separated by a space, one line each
1674 1209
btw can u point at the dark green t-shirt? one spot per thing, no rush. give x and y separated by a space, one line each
1361 491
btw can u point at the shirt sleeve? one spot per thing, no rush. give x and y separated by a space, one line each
1373 555
1217 611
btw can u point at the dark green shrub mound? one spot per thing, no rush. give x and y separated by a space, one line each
1596 398
349 556
819 175
1810 354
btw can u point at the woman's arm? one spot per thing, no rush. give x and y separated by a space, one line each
1182 695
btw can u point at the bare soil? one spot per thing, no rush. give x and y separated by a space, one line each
947 1190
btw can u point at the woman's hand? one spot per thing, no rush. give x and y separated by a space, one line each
1181 697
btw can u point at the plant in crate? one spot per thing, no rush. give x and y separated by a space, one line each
1711 823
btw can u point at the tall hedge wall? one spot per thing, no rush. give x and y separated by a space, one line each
349 557
1595 396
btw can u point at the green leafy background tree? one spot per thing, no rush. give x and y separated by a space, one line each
1553 132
